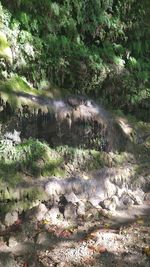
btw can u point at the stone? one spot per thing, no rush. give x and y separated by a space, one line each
70 212
137 196
37 212
54 187
11 218
12 242
109 204
54 215
81 208
41 211
14 137
72 198
95 201
110 188
126 200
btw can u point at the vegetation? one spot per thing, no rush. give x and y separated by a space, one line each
100 48
50 49
63 64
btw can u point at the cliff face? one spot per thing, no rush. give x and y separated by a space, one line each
75 121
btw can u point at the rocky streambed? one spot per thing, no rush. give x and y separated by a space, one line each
94 238
103 221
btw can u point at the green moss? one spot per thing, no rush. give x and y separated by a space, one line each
32 159
54 168
27 200
17 92
5 51
83 159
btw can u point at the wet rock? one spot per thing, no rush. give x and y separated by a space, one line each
11 218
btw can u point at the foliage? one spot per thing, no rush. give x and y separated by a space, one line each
100 48
31 157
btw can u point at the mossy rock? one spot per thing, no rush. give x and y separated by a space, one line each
18 93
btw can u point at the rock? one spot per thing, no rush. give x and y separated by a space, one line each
126 200
77 185
110 188
81 209
137 196
13 136
147 196
109 204
12 242
37 212
95 201
54 215
11 218
72 198
93 214
41 211
54 187
70 212
137 200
